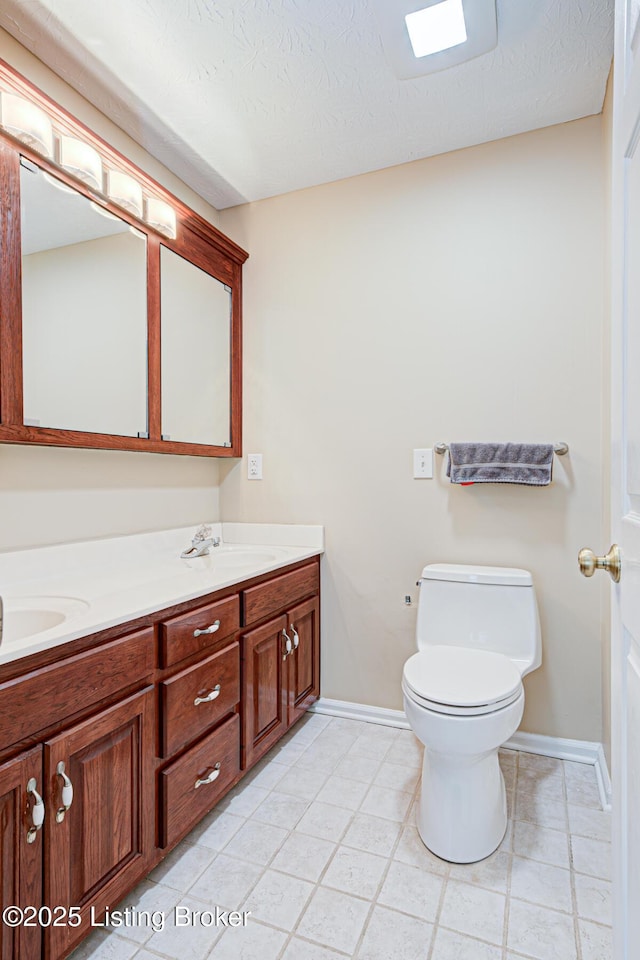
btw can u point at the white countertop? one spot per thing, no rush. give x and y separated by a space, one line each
102 583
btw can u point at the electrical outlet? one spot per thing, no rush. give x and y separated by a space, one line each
254 466
423 464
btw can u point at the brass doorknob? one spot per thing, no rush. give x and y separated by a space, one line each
589 563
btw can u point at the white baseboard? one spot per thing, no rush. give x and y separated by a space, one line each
361 711
580 751
604 780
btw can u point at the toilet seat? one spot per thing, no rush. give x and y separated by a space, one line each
461 681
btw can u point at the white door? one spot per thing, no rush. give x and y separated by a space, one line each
625 634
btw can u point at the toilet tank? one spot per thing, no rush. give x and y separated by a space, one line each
487 608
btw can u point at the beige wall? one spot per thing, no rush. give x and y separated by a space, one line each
459 297
50 495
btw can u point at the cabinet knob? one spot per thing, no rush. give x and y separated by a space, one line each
215 773
212 695
288 646
296 638
67 792
37 811
212 629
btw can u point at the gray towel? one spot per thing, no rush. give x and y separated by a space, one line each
528 463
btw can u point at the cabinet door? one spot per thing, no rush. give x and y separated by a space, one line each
303 680
264 696
20 860
99 847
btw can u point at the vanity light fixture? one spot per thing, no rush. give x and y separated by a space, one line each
26 122
160 216
436 28
124 191
80 160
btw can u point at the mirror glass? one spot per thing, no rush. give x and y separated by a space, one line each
84 312
196 350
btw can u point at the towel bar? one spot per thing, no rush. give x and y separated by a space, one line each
558 448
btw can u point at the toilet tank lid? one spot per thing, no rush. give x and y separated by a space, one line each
467 573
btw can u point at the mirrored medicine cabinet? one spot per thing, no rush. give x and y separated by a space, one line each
118 329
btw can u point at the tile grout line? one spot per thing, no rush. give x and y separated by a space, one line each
390 861
436 922
325 869
291 934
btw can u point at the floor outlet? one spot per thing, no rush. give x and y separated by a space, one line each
254 466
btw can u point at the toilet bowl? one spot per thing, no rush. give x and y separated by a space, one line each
478 634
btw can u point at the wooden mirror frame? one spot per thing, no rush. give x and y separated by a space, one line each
196 240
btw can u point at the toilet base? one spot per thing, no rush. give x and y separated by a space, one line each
462 813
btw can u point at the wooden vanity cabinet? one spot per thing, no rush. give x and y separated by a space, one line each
303 682
152 727
280 658
89 855
199 721
195 699
193 784
20 860
264 689
102 845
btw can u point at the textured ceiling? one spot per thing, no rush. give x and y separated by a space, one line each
245 99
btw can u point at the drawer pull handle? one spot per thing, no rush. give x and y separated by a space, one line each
288 646
215 773
212 629
296 638
67 792
37 811
212 695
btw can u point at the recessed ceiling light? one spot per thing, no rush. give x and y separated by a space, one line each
424 36
436 28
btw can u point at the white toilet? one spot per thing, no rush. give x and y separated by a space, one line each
478 635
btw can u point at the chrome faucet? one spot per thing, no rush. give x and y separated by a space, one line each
201 543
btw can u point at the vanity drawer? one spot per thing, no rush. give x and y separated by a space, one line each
281 592
185 799
48 695
184 719
178 636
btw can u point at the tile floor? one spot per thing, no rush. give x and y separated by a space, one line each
319 843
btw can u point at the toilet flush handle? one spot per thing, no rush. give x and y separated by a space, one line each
589 563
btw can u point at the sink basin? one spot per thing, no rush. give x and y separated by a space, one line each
231 557
244 558
26 616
